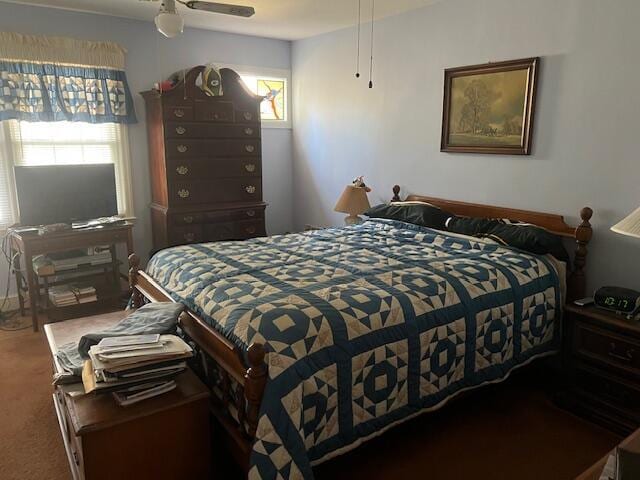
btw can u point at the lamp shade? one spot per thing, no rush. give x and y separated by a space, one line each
629 225
353 201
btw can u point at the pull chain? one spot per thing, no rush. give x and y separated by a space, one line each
373 9
158 62
358 41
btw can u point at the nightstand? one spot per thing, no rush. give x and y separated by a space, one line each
602 367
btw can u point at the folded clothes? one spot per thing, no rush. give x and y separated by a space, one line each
152 318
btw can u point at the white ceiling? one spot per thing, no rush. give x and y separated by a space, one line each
284 19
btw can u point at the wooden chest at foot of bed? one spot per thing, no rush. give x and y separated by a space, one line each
165 437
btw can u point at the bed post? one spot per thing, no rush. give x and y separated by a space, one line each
396 193
134 266
577 282
255 381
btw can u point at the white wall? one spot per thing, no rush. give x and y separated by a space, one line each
152 57
585 134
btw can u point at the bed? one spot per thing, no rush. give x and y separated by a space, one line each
313 343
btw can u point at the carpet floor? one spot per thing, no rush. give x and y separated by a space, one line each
508 431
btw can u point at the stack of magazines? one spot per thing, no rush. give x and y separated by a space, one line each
70 294
135 367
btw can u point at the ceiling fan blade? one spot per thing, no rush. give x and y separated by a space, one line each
224 8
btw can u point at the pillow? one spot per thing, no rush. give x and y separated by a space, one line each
419 213
524 236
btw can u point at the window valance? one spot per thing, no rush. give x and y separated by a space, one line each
63 79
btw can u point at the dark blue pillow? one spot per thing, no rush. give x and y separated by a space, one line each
524 236
418 213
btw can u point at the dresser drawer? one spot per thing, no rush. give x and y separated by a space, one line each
205 130
177 112
228 190
214 232
214 111
250 229
186 234
193 218
186 148
249 213
606 348
622 393
201 169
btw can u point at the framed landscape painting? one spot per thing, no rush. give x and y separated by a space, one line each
489 108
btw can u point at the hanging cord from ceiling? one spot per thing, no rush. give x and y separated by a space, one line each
358 40
373 10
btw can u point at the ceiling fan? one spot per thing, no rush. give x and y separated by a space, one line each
170 23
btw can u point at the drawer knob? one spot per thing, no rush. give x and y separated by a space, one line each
248 131
216 116
250 167
250 230
251 213
182 170
249 148
250 189
183 193
178 112
190 236
248 116
182 148
187 219
181 130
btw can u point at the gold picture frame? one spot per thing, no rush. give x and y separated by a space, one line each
489 108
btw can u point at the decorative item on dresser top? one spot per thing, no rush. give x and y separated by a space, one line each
205 162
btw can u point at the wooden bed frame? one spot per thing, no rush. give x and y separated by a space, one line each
239 385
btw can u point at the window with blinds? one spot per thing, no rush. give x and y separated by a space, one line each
61 143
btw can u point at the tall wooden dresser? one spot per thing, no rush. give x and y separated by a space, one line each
205 161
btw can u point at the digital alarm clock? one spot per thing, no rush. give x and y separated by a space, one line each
617 299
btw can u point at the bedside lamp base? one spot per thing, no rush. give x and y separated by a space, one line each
352 220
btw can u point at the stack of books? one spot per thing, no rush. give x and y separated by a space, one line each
71 294
135 367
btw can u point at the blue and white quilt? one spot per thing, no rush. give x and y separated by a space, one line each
365 326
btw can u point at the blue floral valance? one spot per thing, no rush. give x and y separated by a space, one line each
43 91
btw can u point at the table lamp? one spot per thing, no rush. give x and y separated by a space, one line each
629 225
353 201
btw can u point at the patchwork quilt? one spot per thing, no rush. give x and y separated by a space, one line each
365 326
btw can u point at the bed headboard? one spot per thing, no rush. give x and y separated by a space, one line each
581 234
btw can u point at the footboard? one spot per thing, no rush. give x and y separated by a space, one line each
237 387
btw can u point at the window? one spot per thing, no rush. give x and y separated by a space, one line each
271 83
274 106
61 143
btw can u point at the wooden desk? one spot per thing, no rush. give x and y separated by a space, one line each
23 247
594 472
